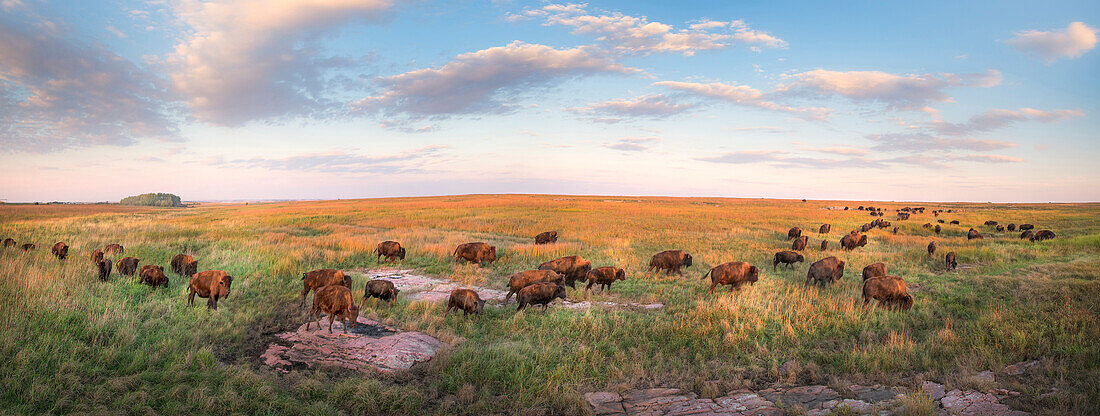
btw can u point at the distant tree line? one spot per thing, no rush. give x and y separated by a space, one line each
153 200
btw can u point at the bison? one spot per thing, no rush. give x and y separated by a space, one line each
937 229
573 268
213 285
379 289
1042 235
1000 228
104 268
956 222
787 257
391 250
825 271
874 270
27 247
61 250
973 235
888 290
931 248
317 279
114 248
990 223
824 245
153 276
336 302
1025 227
902 216
734 274
604 276
825 228
184 265
518 281
1011 227
9 242
546 237
941 221
128 266
851 241
539 294
97 256
950 260
466 300
478 252
793 233
670 261
1026 234
800 243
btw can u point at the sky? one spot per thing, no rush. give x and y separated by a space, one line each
324 99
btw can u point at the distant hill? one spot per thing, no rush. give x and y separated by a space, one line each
153 200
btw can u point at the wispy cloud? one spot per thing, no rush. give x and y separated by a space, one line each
743 95
339 161
904 92
632 144
998 118
923 142
647 106
1071 42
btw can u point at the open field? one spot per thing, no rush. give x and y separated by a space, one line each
75 345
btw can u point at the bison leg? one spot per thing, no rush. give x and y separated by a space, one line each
191 298
212 301
713 284
608 288
589 285
305 291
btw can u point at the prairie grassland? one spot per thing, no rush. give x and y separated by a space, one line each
75 345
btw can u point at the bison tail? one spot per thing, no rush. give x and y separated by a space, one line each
705 275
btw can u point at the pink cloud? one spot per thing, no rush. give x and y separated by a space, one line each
1071 42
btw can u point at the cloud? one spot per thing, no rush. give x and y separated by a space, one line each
483 82
745 157
58 93
651 106
1071 42
921 142
847 151
339 161
989 158
254 59
744 95
637 35
765 129
998 118
632 144
781 159
904 92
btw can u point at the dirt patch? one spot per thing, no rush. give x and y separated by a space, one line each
368 347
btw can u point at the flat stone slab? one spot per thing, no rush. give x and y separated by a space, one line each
974 403
369 346
808 397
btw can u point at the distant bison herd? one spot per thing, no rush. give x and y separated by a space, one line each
332 288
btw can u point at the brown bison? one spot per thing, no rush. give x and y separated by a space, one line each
956 222
27 247
1000 228
734 274
466 300
546 237
931 248
335 301
973 235
114 248
153 276
895 230
479 253
392 250
941 221
604 276
573 268
824 245
902 216
1025 227
787 257
1026 234
874 270
888 290
97 256
851 241
9 242
825 228
317 279
927 225
1011 227
518 281
793 233
1042 235
825 271
950 260
990 223
937 229
212 285
104 268
184 265
799 243
379 289
539 294
670 261
61 250
128 266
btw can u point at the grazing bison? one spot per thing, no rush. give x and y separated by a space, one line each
27 247
990 223
851 241
335 301
794 232
973 235
669 261
1042 235
874 270
734 274
61 250
604 276
824 245
800 243
97 256
937 229
184 265
825 271
466 300
956 222
104 267
941 221
931 248
128 266
895 230
825 228
317 279
573 268
9 242
1011 227
539 294
114 248
380 289
478 252
788 258
950 260
888 290
865 228
391 250
518 281
1000 228
1025 227
902 216
153 276
1026 234
212 285
927 225
546 237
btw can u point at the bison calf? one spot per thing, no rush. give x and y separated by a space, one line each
104 268
931 248
874 270
379 289
734 274
546 237
973 235
465 300
28 247
184 265
539 294
335 301
605 276
824 245
316 279
825 271
114 248
61 250
479 253
211 284
153 276
518 281
950 260
97 256
573 268
128 266
670 261
788 258
825 228
793 233
9 242
392 250
800 243
888 290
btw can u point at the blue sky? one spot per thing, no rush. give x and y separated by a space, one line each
319 99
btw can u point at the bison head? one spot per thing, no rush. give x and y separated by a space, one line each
481 305
401 253
799 258
559 292
687 260
492 254
227 282
862 241
584 268
620 274
353 314
347 281
754 272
